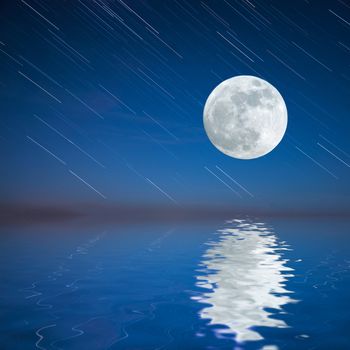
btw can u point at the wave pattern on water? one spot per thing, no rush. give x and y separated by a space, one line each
244 274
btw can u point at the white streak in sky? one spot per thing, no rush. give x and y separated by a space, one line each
95 14
39 14
235 47
154 82
70 48
223 182
86 105
238 184
87 184
117 99
232 36
12 58
46 150
40 87
242 15
326 149
163 127
339 17
308 54
167 45
42 72
286 65
317 163
335 146
70 141
345 46
159 189
137 15
159 144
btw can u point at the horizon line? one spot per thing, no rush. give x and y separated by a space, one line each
122 213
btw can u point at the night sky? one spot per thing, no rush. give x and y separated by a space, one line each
102 101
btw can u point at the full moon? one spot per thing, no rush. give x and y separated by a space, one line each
245 117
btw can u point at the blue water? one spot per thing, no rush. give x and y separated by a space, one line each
240 284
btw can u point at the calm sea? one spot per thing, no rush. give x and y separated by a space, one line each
240 284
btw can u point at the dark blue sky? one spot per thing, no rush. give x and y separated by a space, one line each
101 101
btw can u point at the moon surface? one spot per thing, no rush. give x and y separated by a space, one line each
245 117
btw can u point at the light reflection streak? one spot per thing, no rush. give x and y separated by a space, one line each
243 274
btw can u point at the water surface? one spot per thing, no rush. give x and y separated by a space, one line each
240 284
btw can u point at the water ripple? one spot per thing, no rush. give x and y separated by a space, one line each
243 275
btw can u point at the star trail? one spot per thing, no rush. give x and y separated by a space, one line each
102 101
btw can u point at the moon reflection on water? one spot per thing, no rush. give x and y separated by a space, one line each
243 275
